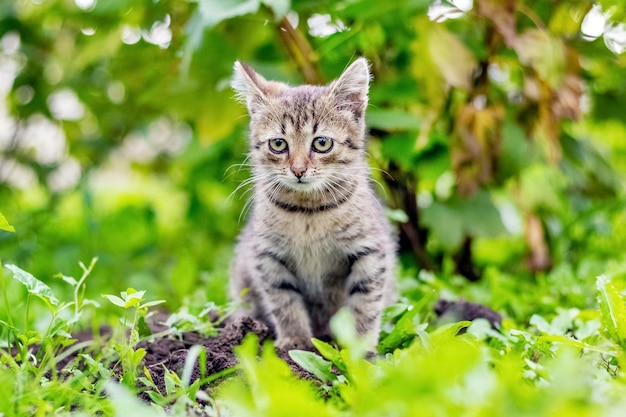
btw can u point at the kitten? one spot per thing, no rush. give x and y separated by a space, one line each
317 239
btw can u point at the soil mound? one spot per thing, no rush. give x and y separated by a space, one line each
171 352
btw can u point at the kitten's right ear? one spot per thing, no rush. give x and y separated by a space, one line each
251 88
350 90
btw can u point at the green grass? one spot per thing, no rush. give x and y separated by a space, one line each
557 354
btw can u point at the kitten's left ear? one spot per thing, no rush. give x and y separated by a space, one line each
251 87
350 89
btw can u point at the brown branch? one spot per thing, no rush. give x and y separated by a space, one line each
412 237
301 52
539 257
464 263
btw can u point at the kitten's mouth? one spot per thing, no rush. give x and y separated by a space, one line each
298 181
300 184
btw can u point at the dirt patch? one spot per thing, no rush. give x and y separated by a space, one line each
171 352
451 311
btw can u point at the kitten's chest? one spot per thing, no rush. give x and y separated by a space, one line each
311 234
311 244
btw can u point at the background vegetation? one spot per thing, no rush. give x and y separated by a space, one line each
498 141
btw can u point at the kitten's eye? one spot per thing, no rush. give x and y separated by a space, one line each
278 145
322 144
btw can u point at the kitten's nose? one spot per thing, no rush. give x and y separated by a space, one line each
298 171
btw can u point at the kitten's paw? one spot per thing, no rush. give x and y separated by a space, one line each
289 343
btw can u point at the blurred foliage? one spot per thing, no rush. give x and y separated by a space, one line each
497 137
497 129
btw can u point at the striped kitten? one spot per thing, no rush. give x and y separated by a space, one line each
317 239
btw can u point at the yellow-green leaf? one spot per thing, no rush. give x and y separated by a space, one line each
4 224
115 300
545 53
612 309
326 350
455 62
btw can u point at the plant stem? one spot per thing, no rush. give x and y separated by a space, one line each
79 284
24 347
301 52
3 284
27 309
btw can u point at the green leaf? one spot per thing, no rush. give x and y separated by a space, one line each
172 381
402 334
132 302
127 404
612 310
156 397
541 187
364 10
392 120
327 350
397 215
447 331
268 387
138 355
563 21
570 341
132 298
452 220
314 363
70 280
130 291
92 303
115 300
213 12
152 303
343 327
400 148
4 224
33 285
142 327
446 224
190 362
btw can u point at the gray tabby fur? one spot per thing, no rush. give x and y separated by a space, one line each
317 239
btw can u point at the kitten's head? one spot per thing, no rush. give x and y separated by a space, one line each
306 140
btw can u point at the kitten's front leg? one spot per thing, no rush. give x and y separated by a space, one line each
290 318
283 302
366 286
